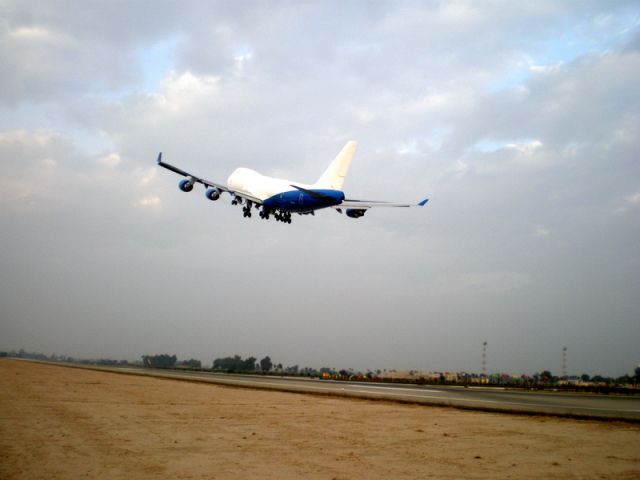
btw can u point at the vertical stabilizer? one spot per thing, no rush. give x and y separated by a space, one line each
334 175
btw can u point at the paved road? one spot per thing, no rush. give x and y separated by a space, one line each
565 404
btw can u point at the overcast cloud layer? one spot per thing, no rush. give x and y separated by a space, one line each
519 120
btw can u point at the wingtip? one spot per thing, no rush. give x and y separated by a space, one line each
423 202
159 158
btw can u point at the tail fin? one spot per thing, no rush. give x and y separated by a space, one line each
334 175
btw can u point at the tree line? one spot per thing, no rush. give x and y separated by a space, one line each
164 360
237 364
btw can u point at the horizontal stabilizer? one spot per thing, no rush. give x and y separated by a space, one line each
314 194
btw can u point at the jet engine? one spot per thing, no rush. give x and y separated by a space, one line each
186 185
355 212
212 193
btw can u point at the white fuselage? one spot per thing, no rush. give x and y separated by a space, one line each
261 187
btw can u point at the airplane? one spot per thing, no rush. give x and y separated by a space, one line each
281 198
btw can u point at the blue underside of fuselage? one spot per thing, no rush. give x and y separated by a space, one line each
299 201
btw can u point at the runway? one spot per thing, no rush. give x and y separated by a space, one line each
480 398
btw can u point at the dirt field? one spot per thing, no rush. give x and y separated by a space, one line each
58 422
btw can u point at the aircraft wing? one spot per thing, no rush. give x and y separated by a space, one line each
194 178
366 204
206 183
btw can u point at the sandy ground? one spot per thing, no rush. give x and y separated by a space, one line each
58 422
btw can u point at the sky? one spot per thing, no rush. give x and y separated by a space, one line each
519 120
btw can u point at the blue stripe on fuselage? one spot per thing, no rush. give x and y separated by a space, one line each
299 201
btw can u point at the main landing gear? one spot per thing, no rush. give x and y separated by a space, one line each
285 217
265 213
246 210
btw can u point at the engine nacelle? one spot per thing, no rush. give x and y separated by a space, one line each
355 212
185 185
212 193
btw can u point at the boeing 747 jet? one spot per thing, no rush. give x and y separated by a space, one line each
280 198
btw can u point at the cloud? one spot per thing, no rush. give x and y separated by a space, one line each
30 160
186 90
494 282
148 202
633 199
111 160
57 52
630 203
30 33
528 154
520 122
542 231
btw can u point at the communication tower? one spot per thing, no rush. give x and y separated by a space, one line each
484 358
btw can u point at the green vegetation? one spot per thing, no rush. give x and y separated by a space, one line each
159 361
191 363
266 364
235 364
